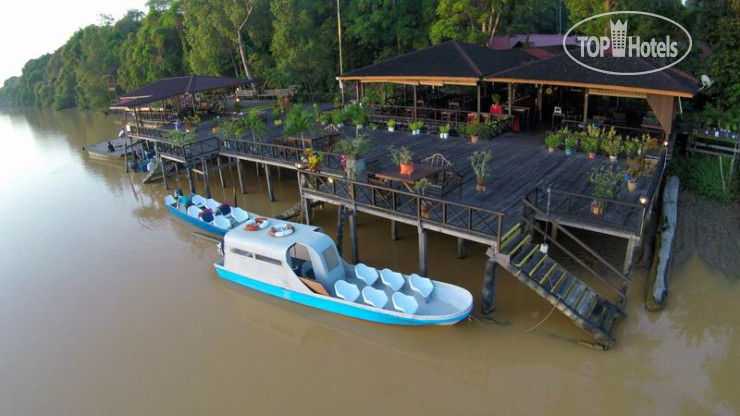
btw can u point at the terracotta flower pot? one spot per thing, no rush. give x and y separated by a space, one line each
632 185
597 208
474 139
592 155
407 168
480 185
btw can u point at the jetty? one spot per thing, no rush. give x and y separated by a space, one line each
534 199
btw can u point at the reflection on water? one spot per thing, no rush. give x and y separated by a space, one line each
109 306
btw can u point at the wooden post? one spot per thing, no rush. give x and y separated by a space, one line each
307 209
205 179
488 300
357 91
164 172
239 173
190 180
462 251
353 236
511 97
394 230
270 192
220 171
414 102
125 155
631 243
477 86
423 261
539 101
585 105
340 228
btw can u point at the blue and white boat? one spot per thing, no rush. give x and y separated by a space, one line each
301 264
207 214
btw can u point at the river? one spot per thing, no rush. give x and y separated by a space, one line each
110 307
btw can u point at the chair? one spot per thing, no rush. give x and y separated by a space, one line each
437 160
194 211
212 204
451 181
405 303
366 273
221 222
374 297
346 291
169 200
199 201
225 209
239 214
372 166
392 279
421 285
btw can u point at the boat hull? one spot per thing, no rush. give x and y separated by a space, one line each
338 306
196 222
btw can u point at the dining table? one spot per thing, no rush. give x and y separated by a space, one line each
420 172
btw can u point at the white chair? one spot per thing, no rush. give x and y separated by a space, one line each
405 303
346 291
421 285
374 297
221 222
239 215
392 279
193 211
170 200
198 201
366 273
212 204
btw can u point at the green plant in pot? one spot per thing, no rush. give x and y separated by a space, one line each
647 144
605 180
476 130
357 115
191 122
590 141
324 118
571 144
391 125
554 139
416 127
636 167
480 161
313 159
338 117
444 131
611 144
299 121
421 187
403 158
180 138
352 151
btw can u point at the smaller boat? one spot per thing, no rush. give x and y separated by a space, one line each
301 264
207 214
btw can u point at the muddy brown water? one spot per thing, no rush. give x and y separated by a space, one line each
110 307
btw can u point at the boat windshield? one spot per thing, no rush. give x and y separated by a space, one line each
331 258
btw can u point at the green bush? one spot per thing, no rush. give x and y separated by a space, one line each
702 175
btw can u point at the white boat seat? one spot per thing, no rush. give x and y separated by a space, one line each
392 279
212 204
169 200
193 211
405 303
239 214
198 201
421 285
366 273
374 297
346 291
221 222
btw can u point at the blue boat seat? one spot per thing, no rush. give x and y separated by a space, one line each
193 211
346 291
405 303
199 201
392 279
221 222
169 200
212 204
239 214
421 285
374 297
366 273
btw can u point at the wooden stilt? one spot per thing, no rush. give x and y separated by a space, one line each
488 301
308 210
270 192
164 172
554 233
394 230
125 156
190 181
423 261
628 255
205 179
340 228
239 173
220 171
280 175
462 251
353 237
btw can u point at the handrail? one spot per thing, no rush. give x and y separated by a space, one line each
577 240
277 152
426 209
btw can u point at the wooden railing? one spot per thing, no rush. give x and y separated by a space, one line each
276 152
483 223
622 130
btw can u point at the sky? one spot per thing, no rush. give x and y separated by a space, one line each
31 28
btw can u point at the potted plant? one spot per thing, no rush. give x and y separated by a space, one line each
351 151
416 127
646 144
476 130
313 159
444 131
180 138
590 141
611 144
554 139
571 144
636 167
299 120
338 117
324 118
191 122
403 158
391 125
605 181
480 160
357 115
421 187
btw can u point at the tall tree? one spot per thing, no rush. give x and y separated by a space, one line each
474 21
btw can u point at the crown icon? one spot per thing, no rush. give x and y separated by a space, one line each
619 38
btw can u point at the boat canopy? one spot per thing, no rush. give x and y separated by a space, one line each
262 242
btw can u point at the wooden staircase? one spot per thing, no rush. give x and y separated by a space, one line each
588 309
